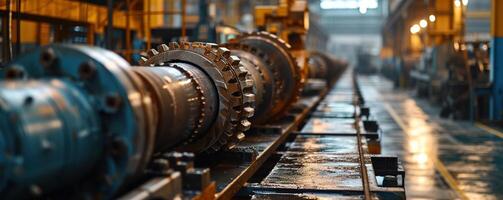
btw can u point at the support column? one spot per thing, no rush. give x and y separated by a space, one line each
110 26
496 106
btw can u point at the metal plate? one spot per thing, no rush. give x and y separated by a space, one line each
324 143
319 171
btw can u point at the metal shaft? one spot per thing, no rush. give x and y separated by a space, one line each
185 102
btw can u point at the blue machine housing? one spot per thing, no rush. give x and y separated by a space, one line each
53 123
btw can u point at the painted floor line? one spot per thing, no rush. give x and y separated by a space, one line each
489 129
438 164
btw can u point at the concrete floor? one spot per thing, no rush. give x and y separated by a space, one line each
443 159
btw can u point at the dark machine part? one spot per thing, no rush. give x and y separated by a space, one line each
256 62
82 114
193 97
231 80
267 74
280 74
322 66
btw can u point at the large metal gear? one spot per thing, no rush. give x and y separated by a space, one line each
256 63
286 73
233 84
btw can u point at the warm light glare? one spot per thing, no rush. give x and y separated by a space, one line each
465 2
361 5
432 18
423 23
457 3
415 29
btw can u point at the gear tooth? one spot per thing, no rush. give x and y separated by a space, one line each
223 52
152 52
245 125
234 60
241 72
174 45
212 45
162 48
185 45
143 60
198 45
248 112
240 136
248 83
209 47
247 97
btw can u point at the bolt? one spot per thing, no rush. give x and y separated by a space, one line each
87 70
173 157
28 101
47 57
118 148
14 73
112 102
159 165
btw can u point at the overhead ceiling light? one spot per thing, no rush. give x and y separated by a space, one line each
348 4
423 23
415 29
465 2
432 18
457 3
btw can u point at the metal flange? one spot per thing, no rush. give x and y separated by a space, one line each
287 74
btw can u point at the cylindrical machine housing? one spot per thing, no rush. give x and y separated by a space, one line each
49 129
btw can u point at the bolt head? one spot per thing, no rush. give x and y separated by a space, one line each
14 72
47 57
112 103
87 70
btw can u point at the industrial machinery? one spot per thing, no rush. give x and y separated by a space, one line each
84 115
447 74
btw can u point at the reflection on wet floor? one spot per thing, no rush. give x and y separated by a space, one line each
443 159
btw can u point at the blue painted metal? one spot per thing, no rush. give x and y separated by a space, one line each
36 118
496 106
51 124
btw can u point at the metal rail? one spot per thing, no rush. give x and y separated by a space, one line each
239 181
361 153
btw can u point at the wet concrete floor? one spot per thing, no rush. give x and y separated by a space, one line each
443 159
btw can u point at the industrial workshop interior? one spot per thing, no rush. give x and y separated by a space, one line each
240 99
